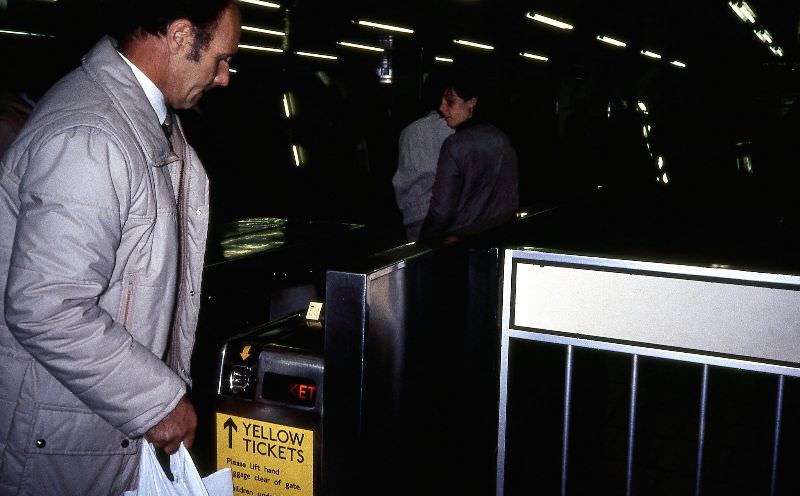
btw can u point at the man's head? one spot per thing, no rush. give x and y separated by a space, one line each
459 101
184 46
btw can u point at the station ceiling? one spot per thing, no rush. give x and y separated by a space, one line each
702 34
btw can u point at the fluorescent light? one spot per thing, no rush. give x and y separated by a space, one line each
534 56
644 131
474 44
286 106
259 48
665 178
549 21
763 35
23 33
296 153
360 46
748 12
652 55
317 55
232 71
263 31
387 27
777 51
738 11
262 3
612 41
678 63
443 59
660 162
642 106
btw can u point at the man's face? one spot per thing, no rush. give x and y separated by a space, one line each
454 109
190 77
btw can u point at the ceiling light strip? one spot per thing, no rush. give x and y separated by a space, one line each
473 44
612 41
652 55
540 58
359 46
385 27
443 59
316 55
262 3
748 12
296 154
259 48
549 21
254 29
738 11
678 63
24 33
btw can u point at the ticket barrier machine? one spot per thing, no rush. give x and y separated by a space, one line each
269 408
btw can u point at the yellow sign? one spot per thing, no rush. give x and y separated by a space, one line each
266 459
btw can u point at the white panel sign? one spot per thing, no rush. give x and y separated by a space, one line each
728 318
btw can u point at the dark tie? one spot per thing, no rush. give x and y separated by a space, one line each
167 124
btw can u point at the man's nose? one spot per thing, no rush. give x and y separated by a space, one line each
223 76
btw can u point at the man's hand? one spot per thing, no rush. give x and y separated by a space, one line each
179 425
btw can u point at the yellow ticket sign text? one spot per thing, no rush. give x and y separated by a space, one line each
266 459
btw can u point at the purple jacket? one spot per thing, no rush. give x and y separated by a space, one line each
476 185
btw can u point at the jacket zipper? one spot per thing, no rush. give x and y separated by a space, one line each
126 313
183 186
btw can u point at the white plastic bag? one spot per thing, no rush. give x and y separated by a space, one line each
154 482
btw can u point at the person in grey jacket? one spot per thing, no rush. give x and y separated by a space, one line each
103 222
476 185
419 147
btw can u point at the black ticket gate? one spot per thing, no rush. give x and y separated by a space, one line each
268 412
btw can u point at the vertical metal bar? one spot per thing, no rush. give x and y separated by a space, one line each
505 343
776 442
632 422
701 434
567 408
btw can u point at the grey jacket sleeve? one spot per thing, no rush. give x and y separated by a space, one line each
409 170
74 198
444 200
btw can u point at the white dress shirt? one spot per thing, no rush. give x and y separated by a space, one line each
154 94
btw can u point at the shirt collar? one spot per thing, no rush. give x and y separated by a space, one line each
154 95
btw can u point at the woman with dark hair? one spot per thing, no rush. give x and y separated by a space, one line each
476 185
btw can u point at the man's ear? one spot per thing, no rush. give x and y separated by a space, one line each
472 102
179 35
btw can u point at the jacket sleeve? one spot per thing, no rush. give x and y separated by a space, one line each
447 188
74 197
406 169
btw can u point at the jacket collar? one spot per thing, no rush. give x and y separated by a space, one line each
104 65
472 121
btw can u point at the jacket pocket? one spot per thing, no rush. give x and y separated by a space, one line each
66 431
125 315
75 452
12 373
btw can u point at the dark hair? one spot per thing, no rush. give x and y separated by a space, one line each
466 84
130 18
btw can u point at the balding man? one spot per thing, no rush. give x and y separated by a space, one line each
103 221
